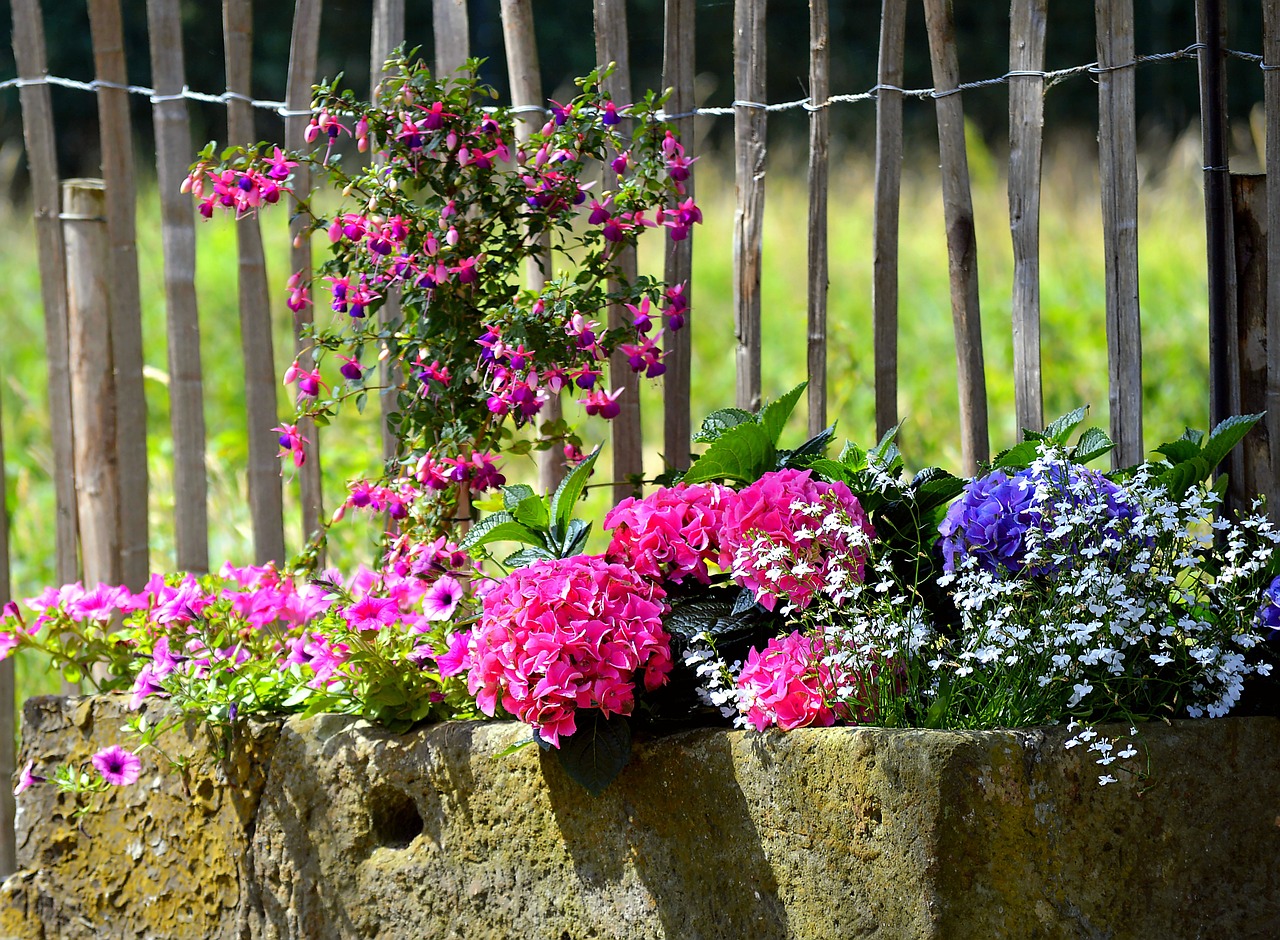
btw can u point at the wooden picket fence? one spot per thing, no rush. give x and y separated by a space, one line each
87 253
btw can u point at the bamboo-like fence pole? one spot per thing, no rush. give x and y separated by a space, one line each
178 239
819 182
1027 20
8 699
962 247
1118 169
526 92
888 188
453 43
1224 378
628 444
304 50
1253 476
749 168
265 498
678 75
1271 93
93 389
116 140
37 130
388 32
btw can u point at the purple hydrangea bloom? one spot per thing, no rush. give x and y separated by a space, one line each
1269 612
991 519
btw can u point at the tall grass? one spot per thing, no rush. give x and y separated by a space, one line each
1172 285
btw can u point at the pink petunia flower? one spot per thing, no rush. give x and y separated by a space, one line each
442 600
27 778
117 766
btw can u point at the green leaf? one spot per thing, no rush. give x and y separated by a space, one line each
832 470
1182 476
575 538
1019 456
1179 450
500 527
774 415
512 748
595 754
1226 436
1093 443
532 511
742 453
1060 430
716 423
935 487
569 490
514 494
527 556
853 456
809 451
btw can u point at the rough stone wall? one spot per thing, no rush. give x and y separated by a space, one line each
330 828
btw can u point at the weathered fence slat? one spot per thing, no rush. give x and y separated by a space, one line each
888 188
265 498
962 248
387 33
178 238
1271 98
1118 169
1224 379
749 167
304 50
8 692
116 139
1249 346
678 75
93 390
819 181
37 130
628 445
525 78
1027 19
453 45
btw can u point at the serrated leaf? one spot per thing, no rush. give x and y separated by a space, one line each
527 556
853 456
774 415
832 470
1179 450
1060 430
716 423
569 490
1018 457
744 602
532 511
597 751
1093 443
500 527
1226 436
514 493
933 487
742 453
1182 476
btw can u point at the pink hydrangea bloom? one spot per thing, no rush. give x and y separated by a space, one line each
566 634
791 536
789 685
671 533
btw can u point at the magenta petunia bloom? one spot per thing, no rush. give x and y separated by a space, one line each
27 778
442 600
117 766
565 634
790 686
671 533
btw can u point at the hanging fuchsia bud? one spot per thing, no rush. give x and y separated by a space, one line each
362 134
298 292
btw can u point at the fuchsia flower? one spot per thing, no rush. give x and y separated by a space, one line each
789 685
565 634
602 403
671 533
118 767
292 442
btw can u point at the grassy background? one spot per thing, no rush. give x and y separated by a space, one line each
1172 285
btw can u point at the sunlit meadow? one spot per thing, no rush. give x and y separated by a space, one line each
1172 286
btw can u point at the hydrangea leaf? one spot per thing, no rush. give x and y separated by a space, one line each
832 470
569 490
532 511
1179 450
774 415
527 556
499 527
1093 443
716 423
742 453
1018 457
1060 430
1226 436
596 753
514 494
809 451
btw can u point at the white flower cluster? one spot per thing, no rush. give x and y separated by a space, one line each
717 686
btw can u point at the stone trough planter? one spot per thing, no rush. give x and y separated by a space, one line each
331 828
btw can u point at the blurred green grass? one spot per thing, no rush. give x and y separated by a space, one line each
1172 288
